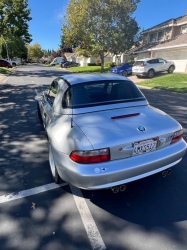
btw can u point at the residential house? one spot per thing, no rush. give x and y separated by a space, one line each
85 60
167 40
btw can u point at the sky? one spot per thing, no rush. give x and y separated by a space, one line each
46 28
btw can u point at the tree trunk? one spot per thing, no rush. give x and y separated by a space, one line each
102 61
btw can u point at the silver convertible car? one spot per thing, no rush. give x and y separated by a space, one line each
103 133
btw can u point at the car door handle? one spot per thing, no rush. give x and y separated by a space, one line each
45 114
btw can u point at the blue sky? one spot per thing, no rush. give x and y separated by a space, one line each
45 26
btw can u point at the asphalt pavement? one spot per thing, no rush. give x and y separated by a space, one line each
150 214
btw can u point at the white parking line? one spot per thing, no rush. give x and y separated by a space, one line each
29 192
88 221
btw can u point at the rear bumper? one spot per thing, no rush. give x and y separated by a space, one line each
117 172
139 73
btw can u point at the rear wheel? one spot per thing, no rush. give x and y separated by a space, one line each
125 73
171 69
151 73
14 64
53 168
39 112
7 67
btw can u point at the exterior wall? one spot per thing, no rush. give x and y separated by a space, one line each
177 31
178 56
168 33
145 38
144 55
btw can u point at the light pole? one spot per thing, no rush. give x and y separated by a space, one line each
6 47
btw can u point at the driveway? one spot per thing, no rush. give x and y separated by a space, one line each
150 214
136 80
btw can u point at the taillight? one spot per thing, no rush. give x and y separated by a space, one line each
91 156
177 136
143 65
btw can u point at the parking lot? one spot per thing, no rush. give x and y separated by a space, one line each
150 214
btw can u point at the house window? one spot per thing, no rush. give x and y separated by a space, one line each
157 37
184 29
153 37
161 36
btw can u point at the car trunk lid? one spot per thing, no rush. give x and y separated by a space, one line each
118 128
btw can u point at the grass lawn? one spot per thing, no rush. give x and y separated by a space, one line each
48 64
89 69
172 82
5 71
57 66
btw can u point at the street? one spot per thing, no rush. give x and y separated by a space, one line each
150 214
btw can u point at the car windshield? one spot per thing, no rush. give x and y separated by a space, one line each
101 93
138 63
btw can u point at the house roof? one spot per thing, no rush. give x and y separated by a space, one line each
170 22
70 54
177 41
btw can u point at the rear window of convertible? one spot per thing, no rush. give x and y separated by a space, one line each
101 93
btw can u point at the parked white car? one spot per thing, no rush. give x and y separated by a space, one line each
13 62
150 66
56 61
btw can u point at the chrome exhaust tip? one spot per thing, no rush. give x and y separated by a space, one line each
122 188
164 173
115 190
169 171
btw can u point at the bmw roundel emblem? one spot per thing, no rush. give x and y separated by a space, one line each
141 128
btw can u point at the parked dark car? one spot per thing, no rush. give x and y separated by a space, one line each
123 69
71 64
4 63
61 64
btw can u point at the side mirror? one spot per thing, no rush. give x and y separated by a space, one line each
39 98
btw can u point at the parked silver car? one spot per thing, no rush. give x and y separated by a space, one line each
103 133
150 66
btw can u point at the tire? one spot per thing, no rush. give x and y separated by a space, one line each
39 112
125 73
57 178
138 76
151 73
7 67
53 168
171 69
14 64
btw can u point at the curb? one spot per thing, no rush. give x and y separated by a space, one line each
6 75
167 91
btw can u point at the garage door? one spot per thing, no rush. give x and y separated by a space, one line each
178 56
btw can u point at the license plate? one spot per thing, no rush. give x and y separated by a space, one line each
144 146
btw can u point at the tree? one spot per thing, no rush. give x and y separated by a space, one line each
35 51
14 18
3 51
100 26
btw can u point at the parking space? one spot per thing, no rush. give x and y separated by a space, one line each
150 214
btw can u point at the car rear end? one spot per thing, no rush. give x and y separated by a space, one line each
140 68
130 140
8 65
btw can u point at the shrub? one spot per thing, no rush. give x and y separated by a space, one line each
93 64
97 62
109 64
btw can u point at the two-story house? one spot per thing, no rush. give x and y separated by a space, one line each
167 40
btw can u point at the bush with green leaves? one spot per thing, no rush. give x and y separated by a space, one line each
109 64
